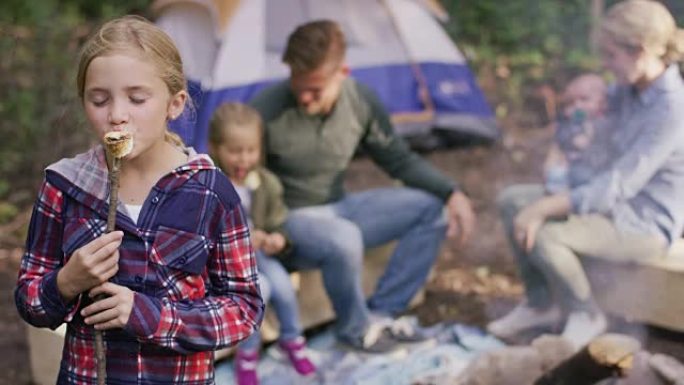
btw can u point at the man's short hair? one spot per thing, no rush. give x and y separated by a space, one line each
313 44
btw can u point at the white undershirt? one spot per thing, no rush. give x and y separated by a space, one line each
246 199
245 196
134 211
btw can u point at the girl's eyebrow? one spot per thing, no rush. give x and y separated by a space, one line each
95 90
138 88
128 89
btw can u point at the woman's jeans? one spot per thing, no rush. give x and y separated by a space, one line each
278 292
552 271
333 238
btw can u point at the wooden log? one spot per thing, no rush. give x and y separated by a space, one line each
610 355
668 368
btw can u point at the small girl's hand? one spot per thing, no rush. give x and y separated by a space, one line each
91 265
258 238
112 312
274 243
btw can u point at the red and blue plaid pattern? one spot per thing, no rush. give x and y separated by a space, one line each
188 260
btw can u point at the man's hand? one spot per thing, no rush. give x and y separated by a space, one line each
461 218
112 312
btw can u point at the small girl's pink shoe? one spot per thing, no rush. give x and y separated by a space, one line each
296 352
246 367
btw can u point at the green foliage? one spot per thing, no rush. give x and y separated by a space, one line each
7 212
516 46
40 116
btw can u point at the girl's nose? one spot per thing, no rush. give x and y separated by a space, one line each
118 114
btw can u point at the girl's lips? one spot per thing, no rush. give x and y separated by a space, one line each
240 173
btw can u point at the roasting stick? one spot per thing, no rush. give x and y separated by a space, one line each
117 144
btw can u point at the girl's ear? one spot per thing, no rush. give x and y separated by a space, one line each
345 69
177 104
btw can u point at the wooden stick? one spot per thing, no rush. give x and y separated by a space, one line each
610 355
113 194
100 353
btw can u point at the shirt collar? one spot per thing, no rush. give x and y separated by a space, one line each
669 80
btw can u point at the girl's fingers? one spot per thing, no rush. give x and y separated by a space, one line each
107 264
106 288
111 324
111 272
106 251
99 306
103 240
103 316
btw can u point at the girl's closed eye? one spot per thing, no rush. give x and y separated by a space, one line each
97 97
99 102
137 99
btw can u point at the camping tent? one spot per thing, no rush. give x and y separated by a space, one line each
232 48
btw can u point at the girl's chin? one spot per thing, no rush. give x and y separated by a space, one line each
237 179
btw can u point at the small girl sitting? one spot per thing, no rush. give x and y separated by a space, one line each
235 142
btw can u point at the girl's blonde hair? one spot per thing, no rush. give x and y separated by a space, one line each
135 33
228 116
644 24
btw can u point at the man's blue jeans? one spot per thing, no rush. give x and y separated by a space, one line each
277 292
333 238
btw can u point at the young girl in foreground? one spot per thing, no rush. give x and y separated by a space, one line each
178 273
235 136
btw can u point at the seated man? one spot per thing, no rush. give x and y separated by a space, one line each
315 123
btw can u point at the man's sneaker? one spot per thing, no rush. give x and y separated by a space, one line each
582 327
407 329
524 318
377 339
246 367
296 352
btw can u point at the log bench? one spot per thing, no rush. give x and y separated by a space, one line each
647 292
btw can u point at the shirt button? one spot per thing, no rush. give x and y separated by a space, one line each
182 260
155 200
138 279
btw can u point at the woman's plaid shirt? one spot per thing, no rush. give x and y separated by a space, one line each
188 260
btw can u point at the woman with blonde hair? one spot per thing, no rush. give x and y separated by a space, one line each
631 210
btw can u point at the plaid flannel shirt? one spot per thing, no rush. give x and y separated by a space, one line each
188 260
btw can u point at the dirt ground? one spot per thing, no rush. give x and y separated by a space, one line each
470 285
